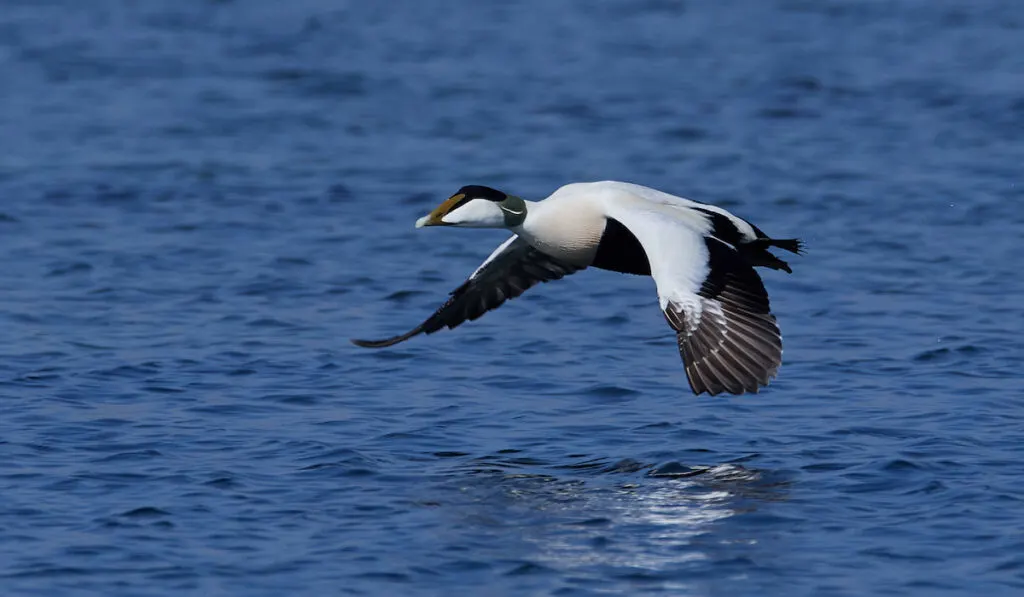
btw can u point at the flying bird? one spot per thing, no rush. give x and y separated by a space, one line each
701 257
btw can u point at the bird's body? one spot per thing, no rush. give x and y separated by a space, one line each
700 256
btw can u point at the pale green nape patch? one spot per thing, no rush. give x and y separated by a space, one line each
514 209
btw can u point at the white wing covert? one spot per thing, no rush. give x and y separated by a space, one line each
712 298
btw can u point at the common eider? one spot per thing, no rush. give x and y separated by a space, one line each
701 257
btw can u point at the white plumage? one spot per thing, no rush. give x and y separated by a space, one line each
700 256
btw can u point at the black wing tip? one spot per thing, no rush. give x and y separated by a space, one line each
732 368
737 382
373 343
734 349
712 376
699 387
386 341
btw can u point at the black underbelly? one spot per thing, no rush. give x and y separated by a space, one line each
620 251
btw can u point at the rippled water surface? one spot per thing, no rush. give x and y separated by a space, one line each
200 202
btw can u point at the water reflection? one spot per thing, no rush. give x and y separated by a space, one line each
595 517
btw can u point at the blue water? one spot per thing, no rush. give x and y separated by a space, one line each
200 202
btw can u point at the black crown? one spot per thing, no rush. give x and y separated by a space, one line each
475 191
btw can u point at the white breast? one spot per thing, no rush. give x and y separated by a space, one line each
567 227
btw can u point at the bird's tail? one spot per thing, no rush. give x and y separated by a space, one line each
757 254
793 245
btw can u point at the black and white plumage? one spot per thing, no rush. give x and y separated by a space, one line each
513 268
701 257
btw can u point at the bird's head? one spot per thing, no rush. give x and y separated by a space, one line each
476 206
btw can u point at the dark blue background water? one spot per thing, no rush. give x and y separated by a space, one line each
200 202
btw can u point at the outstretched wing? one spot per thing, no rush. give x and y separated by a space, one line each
712 298
511 269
